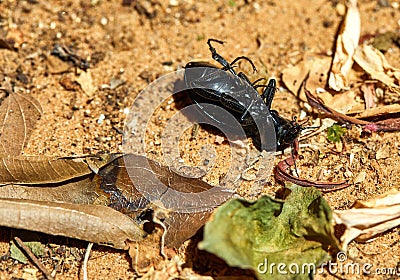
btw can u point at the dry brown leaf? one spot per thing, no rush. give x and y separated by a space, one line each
40 170
316 65
346 44
18 115
344 102
319 104
83 191
368 219
145 254
73 181
185 201
375 64
94 223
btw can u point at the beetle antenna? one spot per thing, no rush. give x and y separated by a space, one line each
214 40
309 127
305 127
212 49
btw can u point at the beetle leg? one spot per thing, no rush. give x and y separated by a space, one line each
217 57
254 84
244 77
269 92
245 58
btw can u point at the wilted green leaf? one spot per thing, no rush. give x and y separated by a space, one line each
335 132
36 247
294 233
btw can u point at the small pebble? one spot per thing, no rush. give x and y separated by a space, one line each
360 177
340 9
103 21
101 119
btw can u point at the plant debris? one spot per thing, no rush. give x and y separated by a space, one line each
335 133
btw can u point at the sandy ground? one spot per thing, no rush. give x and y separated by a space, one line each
143 40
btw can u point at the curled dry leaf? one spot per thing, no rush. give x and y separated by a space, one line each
346 44
18 115
370 218
94 223
375 64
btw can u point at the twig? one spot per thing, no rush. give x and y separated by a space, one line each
282 168
159 222
158 215
86 259
33 258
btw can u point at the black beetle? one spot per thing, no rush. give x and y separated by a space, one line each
237 95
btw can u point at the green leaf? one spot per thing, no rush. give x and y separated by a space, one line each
36 247
335 132
263 234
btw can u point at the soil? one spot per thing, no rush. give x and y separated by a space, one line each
139 41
